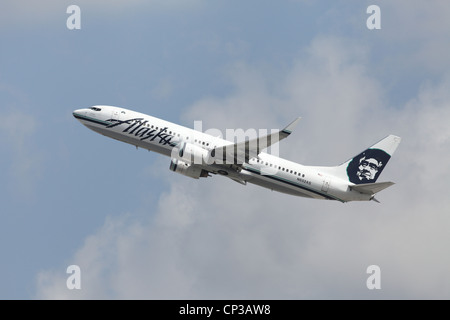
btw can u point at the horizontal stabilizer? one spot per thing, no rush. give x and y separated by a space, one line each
371 188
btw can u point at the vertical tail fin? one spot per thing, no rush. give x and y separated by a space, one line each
367 166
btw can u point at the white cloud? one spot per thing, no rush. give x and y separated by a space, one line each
328 85
215 239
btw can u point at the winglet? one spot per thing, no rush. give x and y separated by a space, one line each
290 127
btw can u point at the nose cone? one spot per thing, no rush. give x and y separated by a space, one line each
79 114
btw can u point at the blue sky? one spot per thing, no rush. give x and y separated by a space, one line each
70 196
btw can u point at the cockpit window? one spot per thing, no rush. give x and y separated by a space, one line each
96 109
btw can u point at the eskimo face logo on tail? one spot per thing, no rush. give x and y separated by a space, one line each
367 166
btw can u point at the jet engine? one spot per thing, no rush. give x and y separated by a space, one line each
190 170
190 153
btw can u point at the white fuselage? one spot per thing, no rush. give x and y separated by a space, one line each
265 170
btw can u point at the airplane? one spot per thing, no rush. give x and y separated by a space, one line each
199 155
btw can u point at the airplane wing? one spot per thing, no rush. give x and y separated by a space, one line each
241 152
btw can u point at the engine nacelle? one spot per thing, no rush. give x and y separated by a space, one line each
187 169
190 153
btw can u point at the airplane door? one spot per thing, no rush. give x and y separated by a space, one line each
326 185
